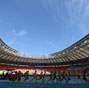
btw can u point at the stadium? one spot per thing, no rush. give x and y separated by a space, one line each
44 43
72 59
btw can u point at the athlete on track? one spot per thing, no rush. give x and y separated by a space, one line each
34 77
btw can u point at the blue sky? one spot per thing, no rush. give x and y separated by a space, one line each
43 26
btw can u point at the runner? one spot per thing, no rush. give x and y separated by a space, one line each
84 77
19 77
2 75
34 77
68 77
9 75
13 76
60 77
64 77
44 75
41 77
54 77
51 75
26 75
79 76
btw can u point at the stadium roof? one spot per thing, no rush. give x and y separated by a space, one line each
77 53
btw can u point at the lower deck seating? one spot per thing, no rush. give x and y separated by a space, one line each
10 67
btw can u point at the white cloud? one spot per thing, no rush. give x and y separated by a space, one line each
21 33
15 35
76 12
